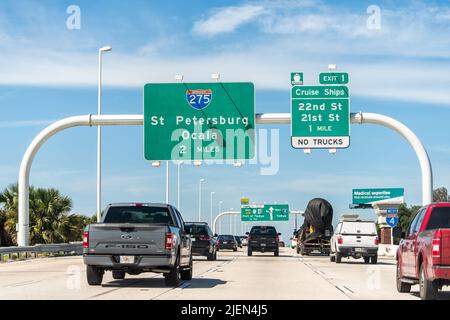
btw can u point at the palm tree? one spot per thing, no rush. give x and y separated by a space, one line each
50 221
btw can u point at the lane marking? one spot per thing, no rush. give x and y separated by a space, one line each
344 289
24 283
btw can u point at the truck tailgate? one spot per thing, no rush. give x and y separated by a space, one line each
359 240
125 238
445 245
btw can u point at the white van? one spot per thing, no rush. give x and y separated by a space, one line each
354 237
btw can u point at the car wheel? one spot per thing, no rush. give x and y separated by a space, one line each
401 286
234 249
215 255
366 259
94 275
118 274
276 253
428 289
173 277
374 259
338 257
249 252
186 274
210 256
332 257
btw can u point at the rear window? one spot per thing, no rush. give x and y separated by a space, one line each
129 214
358 227
226 237
263 230
197 229
439 218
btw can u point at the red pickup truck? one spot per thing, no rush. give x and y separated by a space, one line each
423 256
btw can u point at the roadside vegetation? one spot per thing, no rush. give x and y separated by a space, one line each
405 212
50 217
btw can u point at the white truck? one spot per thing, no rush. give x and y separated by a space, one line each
354 237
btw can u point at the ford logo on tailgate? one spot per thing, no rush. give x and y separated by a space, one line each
126 236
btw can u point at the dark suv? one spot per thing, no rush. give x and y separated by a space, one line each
226 241
263 239
203 242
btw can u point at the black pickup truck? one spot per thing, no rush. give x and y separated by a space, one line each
138 237
263 239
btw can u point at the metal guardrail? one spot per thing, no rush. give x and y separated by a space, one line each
76 247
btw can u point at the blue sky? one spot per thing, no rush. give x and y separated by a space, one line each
49 72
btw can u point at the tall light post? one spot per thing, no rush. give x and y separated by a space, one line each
231 222
220 211
99 133
167 181
210 208
200 199
178 185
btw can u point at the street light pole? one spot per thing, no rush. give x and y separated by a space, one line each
99 133
167 181
220 211
231 222
200 200
178 186
210 208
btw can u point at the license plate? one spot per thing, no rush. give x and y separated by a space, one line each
359 250
225 242
263 244
126 259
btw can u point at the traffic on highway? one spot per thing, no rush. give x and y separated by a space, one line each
227 159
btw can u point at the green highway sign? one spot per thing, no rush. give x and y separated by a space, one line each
320 117
296 78
378 195
267 212
333 78
199 121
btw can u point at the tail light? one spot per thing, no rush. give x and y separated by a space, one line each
340 240
169 240
436 251
86 239
205 238
376 241
436 245
277 239
219 241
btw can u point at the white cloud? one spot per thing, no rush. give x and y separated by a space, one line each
227 19
405 61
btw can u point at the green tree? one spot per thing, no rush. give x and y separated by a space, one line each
405 215
50 221
440 195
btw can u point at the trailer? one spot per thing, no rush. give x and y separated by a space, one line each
316 231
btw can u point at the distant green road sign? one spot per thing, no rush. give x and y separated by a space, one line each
267 212
369 196
199 121
320 117
333 78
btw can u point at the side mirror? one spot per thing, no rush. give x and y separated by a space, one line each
279 233
247 233
215 235
397 232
